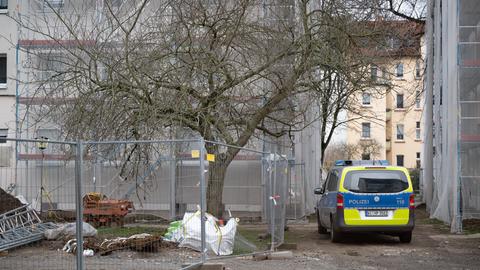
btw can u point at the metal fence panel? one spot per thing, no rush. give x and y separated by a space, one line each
295 208
242 195
42 175
279 199
162 182
137 194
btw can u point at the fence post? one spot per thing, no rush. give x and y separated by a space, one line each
203 198
273 191
173 190
79 204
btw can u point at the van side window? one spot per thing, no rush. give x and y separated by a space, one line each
332 182
324 184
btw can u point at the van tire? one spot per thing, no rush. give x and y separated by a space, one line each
321 229
406 237
335 236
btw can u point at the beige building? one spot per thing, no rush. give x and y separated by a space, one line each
389 122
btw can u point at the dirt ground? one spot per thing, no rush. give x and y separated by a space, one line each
433 247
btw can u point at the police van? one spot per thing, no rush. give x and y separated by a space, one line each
366 196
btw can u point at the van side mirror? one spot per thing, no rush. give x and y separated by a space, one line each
318 191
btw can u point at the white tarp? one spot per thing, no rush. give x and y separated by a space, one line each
69 230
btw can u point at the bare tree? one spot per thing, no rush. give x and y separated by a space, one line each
148 65
370 149
339 151
217 69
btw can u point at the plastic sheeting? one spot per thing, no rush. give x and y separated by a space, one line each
456 114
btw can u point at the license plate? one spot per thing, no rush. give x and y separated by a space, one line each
376 213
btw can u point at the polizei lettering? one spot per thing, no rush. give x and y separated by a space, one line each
358 201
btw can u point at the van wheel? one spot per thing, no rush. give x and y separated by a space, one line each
335 236
406 237
321 229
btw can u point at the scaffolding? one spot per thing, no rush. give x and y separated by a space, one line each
452 174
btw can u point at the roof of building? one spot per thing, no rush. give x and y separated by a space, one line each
387 38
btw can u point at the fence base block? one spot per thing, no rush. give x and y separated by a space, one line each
278 255
207 266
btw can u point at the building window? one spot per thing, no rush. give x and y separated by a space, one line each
3 4
48 5
52 67
374 73
3 71
366 156
3 135
399 101
419 164
399 70
366 99
400 134
417 99
400 160
365 130
418 71
417 131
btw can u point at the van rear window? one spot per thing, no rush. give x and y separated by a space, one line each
375 181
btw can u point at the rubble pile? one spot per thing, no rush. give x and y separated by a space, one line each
138 242
8 202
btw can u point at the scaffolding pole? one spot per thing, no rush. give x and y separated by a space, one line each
428 146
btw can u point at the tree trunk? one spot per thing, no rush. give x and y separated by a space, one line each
216 177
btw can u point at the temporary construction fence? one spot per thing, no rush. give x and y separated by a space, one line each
146 199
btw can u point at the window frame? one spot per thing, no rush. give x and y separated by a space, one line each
55 4
366 124
401 101
3 135
399 70
400 136
365 94
418 73
3 85
418 134
366 156
402 159
4 9
417 99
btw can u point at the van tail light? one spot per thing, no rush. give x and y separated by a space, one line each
412 201
339 201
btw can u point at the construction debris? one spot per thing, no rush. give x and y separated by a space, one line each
21 226
219 239
8 202
69 230
138 242
100 211
278 255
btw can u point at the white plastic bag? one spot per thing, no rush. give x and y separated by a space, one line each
220 240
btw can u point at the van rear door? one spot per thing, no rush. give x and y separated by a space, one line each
375 193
